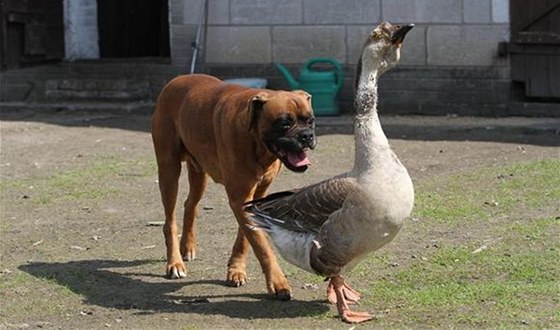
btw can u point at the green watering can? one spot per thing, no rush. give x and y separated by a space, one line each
323 85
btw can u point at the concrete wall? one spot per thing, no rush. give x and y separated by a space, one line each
448 32
450 61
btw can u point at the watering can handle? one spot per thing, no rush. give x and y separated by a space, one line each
328 60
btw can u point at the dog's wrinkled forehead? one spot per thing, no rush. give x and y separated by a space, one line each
297 103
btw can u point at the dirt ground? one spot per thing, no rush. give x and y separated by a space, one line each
79 193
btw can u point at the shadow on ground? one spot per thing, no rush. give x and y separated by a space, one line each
107 283
422 129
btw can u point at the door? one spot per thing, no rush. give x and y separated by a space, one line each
133 28
32 32
535 48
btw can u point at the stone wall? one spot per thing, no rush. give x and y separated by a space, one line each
450 59
448 32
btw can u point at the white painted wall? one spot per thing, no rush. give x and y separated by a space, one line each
80 29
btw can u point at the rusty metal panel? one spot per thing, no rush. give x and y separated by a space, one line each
535 46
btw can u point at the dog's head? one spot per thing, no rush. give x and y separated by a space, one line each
284 121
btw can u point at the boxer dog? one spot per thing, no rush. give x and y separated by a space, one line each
238 137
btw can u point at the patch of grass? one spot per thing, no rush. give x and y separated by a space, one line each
15 287
489 192
91 182
509 282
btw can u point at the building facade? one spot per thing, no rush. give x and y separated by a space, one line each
460 58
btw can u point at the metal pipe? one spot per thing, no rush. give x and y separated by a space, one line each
195 43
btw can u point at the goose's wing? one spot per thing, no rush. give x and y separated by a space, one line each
305 209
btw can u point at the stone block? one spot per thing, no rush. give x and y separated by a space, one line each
70 84
422 11
176 11
239 45
500 11
413 51
183 30
10 92
296 44
176 17
268 12
465 45
182 61
477 11
190 11
355 39
176 4
114 95
51 85
342 12
218 12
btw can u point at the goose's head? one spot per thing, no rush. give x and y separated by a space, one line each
382 49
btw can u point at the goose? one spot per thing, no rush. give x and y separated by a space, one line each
329 227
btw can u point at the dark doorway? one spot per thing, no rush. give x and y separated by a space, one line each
133 28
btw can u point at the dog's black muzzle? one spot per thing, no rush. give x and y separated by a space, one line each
307 138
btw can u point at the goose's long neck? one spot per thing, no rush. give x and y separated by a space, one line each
371 144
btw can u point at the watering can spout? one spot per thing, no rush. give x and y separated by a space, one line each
294 84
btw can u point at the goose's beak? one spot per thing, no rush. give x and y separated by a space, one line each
400 33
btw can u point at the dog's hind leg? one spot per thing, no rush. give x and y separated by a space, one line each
197 186
168 148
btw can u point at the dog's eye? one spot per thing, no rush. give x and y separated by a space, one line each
285 123
310 121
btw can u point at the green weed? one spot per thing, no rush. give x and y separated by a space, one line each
489 192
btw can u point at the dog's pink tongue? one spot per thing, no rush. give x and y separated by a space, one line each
298 160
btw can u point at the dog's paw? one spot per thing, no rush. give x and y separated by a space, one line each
284 294
236 278
279 289
188 255
188 250
176 270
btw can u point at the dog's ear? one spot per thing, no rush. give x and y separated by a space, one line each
304 94
256 104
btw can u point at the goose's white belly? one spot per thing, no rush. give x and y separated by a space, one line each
369 219
295 247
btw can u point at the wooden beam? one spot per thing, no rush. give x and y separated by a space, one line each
540 15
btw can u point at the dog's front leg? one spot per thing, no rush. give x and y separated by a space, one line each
277 284
237 264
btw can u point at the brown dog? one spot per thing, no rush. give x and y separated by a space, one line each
239 137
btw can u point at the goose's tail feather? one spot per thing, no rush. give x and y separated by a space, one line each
261 221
